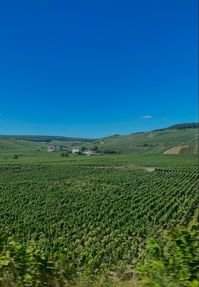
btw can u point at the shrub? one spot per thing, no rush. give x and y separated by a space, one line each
64 154
172 260
24 265
15 156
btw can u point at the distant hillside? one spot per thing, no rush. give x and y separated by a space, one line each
181 126
26 145
44 138
181 138
176 139
185 126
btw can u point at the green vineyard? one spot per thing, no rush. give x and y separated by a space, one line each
96 213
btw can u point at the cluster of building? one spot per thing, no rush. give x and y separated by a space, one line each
87 152
75 150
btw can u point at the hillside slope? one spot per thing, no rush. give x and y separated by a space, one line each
154 142
164 141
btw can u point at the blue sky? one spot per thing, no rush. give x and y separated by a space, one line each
98 67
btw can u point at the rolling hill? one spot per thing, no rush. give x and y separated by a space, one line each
158 141
180 138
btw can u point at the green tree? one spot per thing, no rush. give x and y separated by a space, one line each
15 156
64 154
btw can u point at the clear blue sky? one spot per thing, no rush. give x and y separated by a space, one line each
98 67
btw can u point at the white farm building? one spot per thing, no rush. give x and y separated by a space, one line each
89 152
76 150
51 148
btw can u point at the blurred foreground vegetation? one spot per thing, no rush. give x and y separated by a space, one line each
169 261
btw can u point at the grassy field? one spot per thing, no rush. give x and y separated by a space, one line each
94 215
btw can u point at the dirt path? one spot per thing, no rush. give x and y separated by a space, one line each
176 150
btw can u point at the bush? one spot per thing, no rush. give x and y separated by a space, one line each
171 261
25 265
112 152
64 154
15 156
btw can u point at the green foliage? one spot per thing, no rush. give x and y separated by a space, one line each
96 213
171 260
88 215
24 265
15 156
95 148
64 154
111 152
